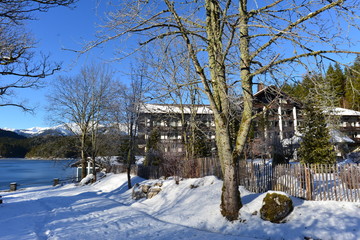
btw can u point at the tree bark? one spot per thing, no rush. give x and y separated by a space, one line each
83 156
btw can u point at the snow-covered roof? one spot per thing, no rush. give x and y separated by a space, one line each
172 108
342 112
339 137
336 137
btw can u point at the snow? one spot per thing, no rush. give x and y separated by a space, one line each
189 210
87 179
342 112
37 131
339 137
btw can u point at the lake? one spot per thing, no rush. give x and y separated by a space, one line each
29 173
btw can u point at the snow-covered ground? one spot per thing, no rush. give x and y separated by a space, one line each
105 210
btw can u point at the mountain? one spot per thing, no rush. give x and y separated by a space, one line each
10 134
60 130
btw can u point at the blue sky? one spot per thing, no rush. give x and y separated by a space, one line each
67 28
59 28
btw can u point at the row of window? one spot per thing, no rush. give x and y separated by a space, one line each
174 136
275 112
354 134
275 123
271 135
350 124
173 123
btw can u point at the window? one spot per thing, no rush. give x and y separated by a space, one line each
173 136
271 135
286 123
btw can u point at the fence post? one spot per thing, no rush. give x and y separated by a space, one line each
56 181
308 183
13 186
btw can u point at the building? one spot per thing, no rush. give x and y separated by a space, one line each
349 123
278 119
173 124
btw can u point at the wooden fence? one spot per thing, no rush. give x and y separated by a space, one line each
307 181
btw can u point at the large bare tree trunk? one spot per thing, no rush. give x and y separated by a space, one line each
230 198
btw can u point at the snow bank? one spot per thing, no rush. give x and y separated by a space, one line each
189 210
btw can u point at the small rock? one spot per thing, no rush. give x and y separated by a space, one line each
153 192
158 184
137 192
145 188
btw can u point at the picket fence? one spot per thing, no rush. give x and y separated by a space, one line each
308 181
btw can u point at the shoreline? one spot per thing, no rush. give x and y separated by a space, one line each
44 159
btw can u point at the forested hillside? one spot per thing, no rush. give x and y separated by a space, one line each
338 87
13 145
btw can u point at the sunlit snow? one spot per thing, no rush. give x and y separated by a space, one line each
105 210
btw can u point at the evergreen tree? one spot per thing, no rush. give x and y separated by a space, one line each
337 82
153 153
352 89
315 146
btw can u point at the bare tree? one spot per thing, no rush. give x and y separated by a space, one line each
134 98
20 68
264 39
177 83
81 103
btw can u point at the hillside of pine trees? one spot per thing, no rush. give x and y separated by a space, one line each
338 87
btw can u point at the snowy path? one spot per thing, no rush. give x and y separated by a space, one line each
105 210
86 213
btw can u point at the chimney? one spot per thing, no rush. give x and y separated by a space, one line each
260 86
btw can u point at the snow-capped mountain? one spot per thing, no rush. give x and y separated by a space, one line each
60 130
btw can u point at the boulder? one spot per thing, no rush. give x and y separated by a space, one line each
276 207
153 192
137 192
145 188
158 184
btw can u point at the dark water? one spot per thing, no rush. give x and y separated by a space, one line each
29 173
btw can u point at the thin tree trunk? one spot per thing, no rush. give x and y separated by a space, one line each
83 156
